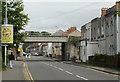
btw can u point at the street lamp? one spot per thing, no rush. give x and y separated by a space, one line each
6 32
6 18
5 22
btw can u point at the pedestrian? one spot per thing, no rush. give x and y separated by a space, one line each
11 58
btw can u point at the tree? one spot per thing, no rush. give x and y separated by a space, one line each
74 40
45 33
34 33
17 18
25 45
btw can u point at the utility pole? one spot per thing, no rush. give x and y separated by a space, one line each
6 33
6 18
6 21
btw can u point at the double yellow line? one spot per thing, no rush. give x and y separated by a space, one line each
28 72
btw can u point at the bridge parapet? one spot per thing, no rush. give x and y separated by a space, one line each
33 39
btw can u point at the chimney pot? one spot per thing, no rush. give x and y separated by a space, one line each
103 11
118 5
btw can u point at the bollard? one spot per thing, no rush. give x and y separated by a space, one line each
26 56
29 56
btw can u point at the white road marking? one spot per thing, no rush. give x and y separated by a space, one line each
69 72
51 65
55 67
61 69
47 64
66 71
24 65
81 77
74 65
43 62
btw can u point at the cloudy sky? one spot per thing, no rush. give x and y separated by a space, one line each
52 15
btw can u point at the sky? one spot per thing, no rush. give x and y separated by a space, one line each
52 15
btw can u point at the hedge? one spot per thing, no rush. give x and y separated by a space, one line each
105 60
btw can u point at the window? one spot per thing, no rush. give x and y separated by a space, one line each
98 31
112 26
102 30
107 28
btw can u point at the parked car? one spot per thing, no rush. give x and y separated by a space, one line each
36 54
40 53
32 53
24 54
28 53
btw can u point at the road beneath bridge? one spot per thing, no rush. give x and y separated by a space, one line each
42 68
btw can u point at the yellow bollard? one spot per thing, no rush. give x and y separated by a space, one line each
29 56
26 56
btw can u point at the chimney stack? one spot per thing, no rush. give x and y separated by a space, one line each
118 5
103 11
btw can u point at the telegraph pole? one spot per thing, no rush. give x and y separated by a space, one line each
5 22
6 18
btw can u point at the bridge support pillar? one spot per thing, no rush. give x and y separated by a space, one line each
63 51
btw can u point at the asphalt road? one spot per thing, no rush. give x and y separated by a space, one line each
46 69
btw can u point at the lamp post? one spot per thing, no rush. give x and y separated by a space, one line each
5 22
7 32
6 18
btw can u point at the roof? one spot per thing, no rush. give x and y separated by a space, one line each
70 30
58 33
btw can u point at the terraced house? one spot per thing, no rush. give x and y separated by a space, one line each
112 29
104 33
109 42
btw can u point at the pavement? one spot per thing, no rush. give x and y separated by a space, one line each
17 73
102 69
